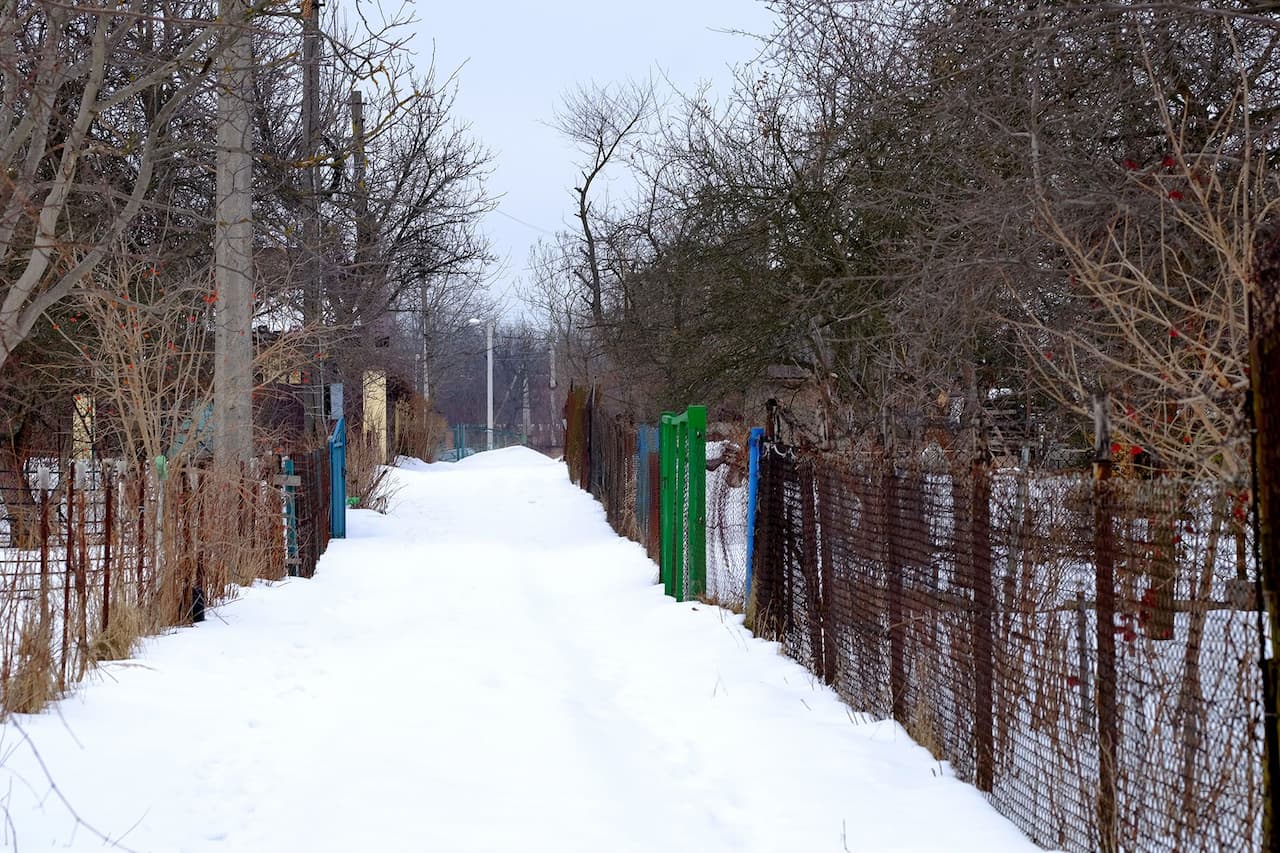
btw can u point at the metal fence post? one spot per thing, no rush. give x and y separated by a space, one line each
107 536
338 480
44 483
1104 567
753 494
697 464
814 616
291 520
681 507
983 633
894 566
654 499
68 479
1264 372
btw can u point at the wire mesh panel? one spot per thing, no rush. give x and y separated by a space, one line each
727 491
1085 652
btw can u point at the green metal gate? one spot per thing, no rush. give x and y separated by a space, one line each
683 442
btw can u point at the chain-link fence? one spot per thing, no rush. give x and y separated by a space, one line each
618 461
465 440
1085 651
727 532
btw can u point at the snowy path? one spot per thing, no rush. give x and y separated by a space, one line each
487 668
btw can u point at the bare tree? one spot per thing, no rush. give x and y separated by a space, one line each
77 170
602 123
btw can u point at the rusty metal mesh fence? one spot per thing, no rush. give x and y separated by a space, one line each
312 507
93 553
1085 652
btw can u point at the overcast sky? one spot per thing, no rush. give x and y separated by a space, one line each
518 58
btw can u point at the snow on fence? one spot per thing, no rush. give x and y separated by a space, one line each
94 554
1086 652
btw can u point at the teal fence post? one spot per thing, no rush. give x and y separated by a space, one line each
338 480
291 520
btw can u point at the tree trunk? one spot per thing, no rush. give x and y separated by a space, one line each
21 507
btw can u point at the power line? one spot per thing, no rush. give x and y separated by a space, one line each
502 212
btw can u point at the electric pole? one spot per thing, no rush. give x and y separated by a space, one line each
313 287
233 243
488 336
524 414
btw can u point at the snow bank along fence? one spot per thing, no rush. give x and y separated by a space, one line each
1085 649
94 553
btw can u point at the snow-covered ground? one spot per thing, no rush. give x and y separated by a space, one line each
486 668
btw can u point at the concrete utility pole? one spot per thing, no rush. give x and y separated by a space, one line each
488 339
233 243
313 287
425 343
525 407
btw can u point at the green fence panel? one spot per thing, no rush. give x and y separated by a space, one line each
683 448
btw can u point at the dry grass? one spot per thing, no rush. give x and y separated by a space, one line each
33 683
368 477
733 606
418 430
118 642
924 726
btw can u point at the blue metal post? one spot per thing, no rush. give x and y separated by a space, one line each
753 488
642 478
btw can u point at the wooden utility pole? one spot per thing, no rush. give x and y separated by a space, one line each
313 287
364 228
365 272
233 242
